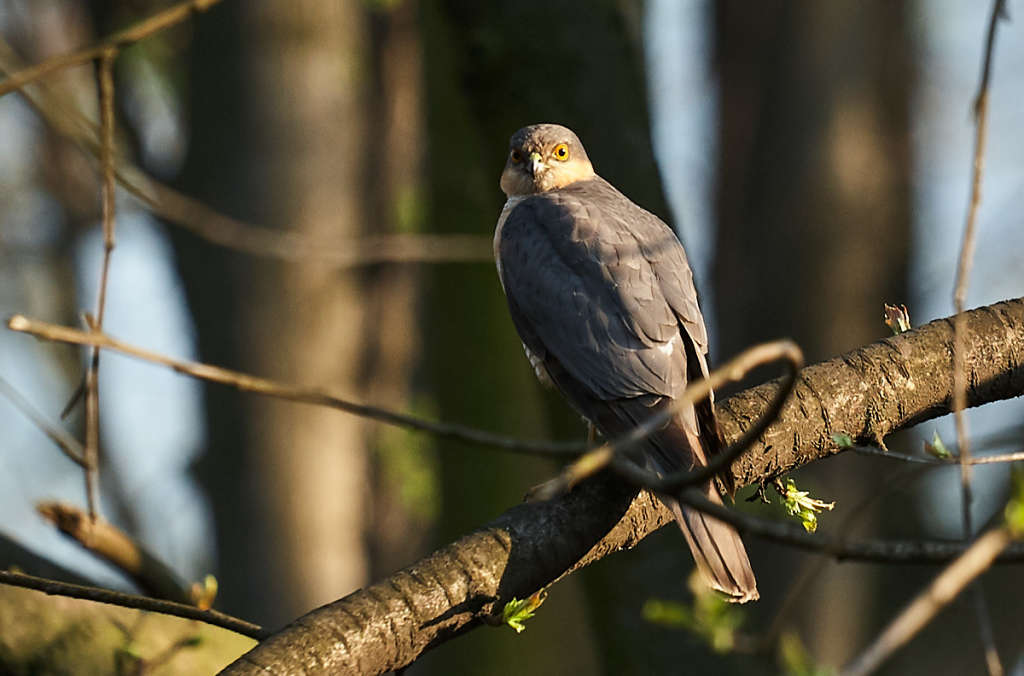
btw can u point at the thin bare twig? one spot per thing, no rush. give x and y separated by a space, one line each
966 259
78 591
143 29
65 442
222 230
921 460
92 398
783 350
92 437
307 395
840 548
115 546
106 80
959 298
611 452
929 602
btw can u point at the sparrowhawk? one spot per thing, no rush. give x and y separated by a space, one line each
603 299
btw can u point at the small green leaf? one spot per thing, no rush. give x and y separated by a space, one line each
842 440
937 448
516 612
799 504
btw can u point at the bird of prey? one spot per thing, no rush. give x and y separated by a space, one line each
603 299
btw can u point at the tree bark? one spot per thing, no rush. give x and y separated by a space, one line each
867 393
280 137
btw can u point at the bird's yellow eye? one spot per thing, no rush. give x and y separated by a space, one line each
561 152
516 156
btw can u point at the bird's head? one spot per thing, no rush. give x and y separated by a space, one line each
544 157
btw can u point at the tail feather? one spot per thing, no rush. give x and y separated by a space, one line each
716 546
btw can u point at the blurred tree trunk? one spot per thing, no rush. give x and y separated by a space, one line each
492 68
280 123
405 492
813 203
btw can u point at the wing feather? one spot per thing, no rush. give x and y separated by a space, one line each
604 287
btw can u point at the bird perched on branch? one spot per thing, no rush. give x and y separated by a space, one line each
603 299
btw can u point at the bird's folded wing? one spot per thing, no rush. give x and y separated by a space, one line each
603 286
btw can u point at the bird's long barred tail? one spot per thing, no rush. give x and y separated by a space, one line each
717 549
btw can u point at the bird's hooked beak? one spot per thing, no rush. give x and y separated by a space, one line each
536 164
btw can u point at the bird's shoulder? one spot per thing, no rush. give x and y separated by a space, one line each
593 199
595 230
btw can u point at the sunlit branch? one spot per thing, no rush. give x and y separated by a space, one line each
867 393
929 602
116 547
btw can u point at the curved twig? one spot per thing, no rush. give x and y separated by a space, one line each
113 545
307 395
782 350
612 452
943 589
78 591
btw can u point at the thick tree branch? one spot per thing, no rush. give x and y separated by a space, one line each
867 393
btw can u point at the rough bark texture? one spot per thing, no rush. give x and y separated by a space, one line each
866 393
